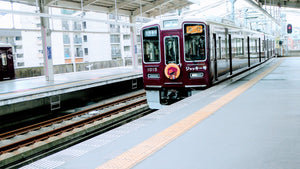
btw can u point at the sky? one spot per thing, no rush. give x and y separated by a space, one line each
293 17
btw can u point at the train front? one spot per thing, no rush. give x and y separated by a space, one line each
175 63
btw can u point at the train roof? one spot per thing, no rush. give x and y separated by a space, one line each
178 18
182 19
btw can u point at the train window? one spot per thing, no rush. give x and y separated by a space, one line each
172 49
256 46
237 47
194 42
151 45
219 48
4 59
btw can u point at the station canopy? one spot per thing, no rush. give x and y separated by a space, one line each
145 8
247 13
153 8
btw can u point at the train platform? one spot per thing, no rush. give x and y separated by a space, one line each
23 90
251 122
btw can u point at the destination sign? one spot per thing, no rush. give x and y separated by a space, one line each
151 33
194 29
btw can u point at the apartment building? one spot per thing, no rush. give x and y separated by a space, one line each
72 41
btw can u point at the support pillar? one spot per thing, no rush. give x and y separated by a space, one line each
46 39
133 44
233 10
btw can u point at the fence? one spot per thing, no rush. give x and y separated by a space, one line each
66 68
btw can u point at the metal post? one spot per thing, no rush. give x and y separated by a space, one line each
233 10
270 8
248 50
230 55
46 38
259 50
274 16
215 57
12 14
245 17
133 45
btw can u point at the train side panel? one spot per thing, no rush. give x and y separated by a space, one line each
234 50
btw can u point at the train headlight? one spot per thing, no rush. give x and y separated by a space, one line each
196 75
153 76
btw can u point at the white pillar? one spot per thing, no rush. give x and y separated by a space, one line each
233 10
72 49
46 38
133 44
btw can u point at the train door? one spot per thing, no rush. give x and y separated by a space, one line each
172 58
221 45
6 63
3 64
214 59
10 63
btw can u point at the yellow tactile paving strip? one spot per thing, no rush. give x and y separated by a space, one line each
156 142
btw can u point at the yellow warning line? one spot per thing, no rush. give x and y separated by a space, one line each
156 142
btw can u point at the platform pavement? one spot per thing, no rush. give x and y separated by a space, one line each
259 128
28 93
25 84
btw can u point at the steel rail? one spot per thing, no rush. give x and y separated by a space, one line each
41 137
50 122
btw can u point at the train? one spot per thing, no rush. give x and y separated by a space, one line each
181 56
7 70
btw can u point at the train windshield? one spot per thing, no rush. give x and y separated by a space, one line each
151 45
172 49
194 42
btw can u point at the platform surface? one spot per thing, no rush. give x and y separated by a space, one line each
25 89
251 123
25 84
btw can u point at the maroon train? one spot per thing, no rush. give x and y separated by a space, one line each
182 56
7 70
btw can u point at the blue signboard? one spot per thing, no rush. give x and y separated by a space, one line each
49 53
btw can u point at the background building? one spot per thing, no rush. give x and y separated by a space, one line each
73 40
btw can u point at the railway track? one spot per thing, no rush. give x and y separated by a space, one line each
83 122
37 126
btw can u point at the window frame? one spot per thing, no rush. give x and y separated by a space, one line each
4 59
178 49
159 45
205 39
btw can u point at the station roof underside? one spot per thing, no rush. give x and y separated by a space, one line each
281 3
145 8
148 8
